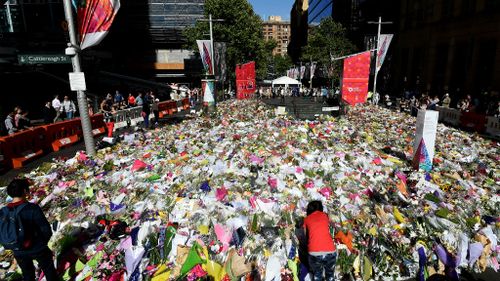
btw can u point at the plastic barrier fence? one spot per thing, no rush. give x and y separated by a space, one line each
493 126
98 126
23 146
62 134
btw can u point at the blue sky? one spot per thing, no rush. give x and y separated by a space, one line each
266 8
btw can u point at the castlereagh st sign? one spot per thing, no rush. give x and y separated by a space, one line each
43 59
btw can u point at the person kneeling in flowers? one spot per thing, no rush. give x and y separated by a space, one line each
320 245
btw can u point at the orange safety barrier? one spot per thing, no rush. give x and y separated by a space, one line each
62 134
3 159
185 104
22 147
98 125
473 121
167 108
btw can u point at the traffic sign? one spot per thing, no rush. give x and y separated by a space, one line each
43 59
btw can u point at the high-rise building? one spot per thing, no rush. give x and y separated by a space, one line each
278 30
147 37
318 10
448 46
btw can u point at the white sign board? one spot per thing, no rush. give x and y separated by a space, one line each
332 108
425 139
281 110
77 81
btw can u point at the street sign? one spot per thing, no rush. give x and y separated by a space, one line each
77 81
43 59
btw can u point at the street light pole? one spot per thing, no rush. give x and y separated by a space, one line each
74 47
376 54
210 22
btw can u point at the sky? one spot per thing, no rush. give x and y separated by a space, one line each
266 8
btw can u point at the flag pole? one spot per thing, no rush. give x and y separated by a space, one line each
74 51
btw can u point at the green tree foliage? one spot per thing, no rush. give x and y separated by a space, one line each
325 42
281 64
241 30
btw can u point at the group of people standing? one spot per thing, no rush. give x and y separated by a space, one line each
59 110
149 103
16 121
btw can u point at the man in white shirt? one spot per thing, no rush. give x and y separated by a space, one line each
56 105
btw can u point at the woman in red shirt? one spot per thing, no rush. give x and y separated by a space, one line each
320 246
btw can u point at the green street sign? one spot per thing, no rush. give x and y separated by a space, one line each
43 59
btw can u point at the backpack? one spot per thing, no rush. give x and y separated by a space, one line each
11 228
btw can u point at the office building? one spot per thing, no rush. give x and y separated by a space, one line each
448 46
319 9
278 30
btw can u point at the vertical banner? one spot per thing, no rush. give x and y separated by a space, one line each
425 139
245 80
313 69
94 20
302 72
220 61
208 88
383 46
355 78
205 50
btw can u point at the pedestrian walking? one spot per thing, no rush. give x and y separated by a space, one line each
108 112
146 110
69 108
321 248
139 100
47 112
28 236
21 120
131 100
156 111
56 105
118 98
10 125
446 100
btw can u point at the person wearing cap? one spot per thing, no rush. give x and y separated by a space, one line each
446 100
320 245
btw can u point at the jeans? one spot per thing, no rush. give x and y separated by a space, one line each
69 115
45 262
326 263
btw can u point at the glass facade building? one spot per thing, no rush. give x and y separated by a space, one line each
319 9
163 21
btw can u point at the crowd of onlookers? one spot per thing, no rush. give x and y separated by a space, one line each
487 104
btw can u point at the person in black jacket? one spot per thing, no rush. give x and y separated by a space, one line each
48 113
37 234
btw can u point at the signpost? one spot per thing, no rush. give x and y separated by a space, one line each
43 59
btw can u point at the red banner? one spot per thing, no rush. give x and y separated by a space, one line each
94 20
245 80
355 80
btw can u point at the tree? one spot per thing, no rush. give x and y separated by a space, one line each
325 42
241 30
282 64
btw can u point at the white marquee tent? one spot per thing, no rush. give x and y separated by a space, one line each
285 81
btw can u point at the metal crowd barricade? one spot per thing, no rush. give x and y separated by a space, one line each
128 117
493 126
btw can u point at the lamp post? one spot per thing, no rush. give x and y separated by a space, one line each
212 60
379 22
73 50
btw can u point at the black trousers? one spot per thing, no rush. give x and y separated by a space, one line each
45 262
